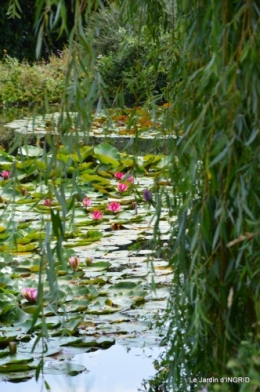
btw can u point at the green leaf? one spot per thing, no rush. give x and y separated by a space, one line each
7 301
94 178
107 154
30 151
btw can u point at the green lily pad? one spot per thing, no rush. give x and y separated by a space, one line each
99 266
15 362
17 375
30 151
100 342
107 154
7 301
61 368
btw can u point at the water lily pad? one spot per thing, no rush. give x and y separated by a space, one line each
17 375
107 154
7 301
99 266
75 306
69 353
94 178
15 362
65 341
30 151
61 368
100 342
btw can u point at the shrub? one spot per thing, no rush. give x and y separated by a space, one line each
22 83
125 57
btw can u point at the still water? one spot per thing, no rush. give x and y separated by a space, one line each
117 369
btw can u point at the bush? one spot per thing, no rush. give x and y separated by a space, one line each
22 83
125 57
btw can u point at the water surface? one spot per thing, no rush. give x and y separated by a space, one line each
117 369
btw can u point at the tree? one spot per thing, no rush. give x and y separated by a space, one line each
215 244
17 35
18 28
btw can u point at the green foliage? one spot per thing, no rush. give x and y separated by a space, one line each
17 37
22 83
215 243
18 30
246 362
125 57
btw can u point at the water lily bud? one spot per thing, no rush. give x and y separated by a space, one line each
119 175
47 202
5 174
134 205
74 262
12 348
88 261
86 202
130 179
24 192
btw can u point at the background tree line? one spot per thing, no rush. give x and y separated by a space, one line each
18 29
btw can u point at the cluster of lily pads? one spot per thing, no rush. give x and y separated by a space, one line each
100 200
112 123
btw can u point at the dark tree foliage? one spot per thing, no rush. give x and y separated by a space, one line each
18 34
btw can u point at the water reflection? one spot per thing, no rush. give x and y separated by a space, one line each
118 369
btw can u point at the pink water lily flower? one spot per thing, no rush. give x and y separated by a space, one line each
74 262
86 202
122 187
97 215
114 206
47 202
5 174
130 179
30 294
119 175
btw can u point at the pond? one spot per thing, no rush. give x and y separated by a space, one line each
80 268
134 130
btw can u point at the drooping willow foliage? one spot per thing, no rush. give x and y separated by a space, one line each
215 247
213 90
